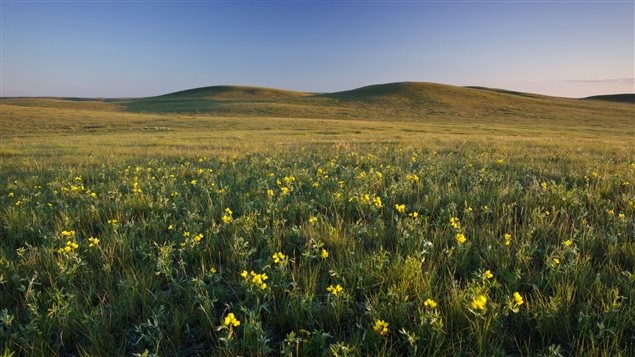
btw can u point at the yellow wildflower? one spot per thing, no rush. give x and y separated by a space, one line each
508 239
231 321
259 279
68 247
313 219
212 270
400 208
255 278
429 303
228 216
413 214
455 223
279 257
270 193
515 302
67 234
567 243
479 303
377 202
381 327
324 254
93 242
335 290
412 178
460 238
488 274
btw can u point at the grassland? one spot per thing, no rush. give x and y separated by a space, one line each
470 221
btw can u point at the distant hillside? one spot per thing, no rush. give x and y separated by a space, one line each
403 101
621 98
233 93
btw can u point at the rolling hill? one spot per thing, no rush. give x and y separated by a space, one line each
403 101
232 93
620 98
410 101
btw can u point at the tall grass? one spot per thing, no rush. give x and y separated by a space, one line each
150 254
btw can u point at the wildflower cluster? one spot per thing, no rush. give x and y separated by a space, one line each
279 258
515 302
68 247
67 234
335 290
479 303
381 327
507 239
230 321
429 303
459 236
93 242
412 178
255 279
368 200
228 216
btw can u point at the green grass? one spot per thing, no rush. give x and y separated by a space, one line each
146 185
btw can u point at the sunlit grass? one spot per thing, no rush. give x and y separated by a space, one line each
269 236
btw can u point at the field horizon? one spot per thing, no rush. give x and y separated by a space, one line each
262 92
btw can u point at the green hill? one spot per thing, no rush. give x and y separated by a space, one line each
392 101
403 101
620 98
232 93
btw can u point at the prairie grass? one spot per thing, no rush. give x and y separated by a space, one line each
139 234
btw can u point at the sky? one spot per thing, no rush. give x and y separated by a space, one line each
144 48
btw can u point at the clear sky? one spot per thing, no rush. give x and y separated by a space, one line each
142 48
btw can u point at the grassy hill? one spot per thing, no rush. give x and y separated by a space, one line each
404 101
460 109
232 93
620 98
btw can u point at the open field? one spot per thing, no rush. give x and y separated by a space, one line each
406 220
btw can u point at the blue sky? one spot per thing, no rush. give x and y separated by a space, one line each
141 48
